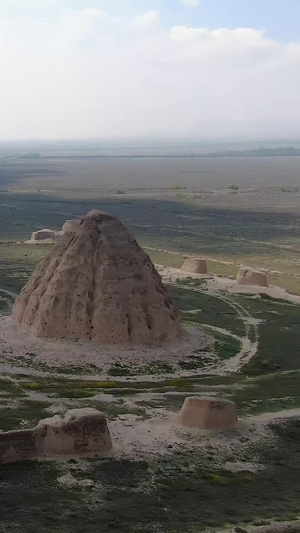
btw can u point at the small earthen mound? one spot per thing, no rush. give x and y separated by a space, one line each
98 284
42 235
195 266
70 225
207 413
79 433
249 276
45 236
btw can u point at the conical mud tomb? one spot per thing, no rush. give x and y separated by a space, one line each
98 284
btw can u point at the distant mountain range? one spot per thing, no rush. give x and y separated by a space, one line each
258 152
288 151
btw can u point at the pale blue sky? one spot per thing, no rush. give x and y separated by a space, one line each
122 68
280 18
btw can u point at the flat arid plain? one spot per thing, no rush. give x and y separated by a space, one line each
242 343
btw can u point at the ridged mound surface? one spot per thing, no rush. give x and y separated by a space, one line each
98 284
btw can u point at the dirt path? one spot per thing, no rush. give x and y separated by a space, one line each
279 527
268 417
8 293
249 347
7 297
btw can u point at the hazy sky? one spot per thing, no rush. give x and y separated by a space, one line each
203 69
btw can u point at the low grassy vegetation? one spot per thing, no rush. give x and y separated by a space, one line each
206 310
30 362
287 276
259 387
279 335
176 260
269 393
225 346
231 233
192 282
20 254
11 280
4 306
157 367
22 414
17 262
253 396
173 260
184 492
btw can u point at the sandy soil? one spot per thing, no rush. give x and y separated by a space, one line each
134 436
138 438
282 527
44 241
268 417
279 527
14 343
217 284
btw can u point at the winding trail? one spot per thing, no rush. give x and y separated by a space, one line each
249 347
8 293
7 297
249 342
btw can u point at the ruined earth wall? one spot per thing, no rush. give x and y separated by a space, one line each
79 433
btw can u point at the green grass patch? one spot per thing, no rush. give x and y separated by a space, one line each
33 363
12 282
114 410
214 311
192 282
173 494
178 187
279 335
193 362
157 367
10 388
26 414
225 346
268 393
27 254
4 307
165 258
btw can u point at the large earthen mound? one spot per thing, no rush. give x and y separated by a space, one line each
98 284
195 266
207 413
249 276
